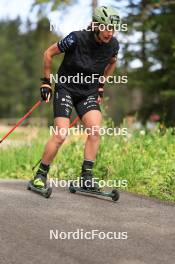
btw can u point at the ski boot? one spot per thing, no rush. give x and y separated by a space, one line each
87 181
39 184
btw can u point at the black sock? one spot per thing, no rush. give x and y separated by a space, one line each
43 169
87 165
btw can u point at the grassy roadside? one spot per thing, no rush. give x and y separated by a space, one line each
147 162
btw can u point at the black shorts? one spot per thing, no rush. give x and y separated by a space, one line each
64 101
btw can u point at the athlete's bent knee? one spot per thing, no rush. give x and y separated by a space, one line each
95 133
60 136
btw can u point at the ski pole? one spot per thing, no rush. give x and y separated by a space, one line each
74 122
21 120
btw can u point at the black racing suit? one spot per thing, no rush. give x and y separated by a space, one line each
84 58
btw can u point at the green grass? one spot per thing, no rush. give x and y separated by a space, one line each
146 162
15 136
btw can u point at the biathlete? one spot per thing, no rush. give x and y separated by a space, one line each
91 51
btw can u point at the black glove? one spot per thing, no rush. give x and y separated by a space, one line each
46 90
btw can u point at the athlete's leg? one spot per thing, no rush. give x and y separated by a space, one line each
92 121
62 105
61 125
88 110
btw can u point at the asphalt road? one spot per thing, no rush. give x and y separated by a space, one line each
26 221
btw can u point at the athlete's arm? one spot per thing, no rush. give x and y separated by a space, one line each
63 45
107 72
48 55
45 88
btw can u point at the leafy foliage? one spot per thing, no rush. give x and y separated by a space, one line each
21 65
151 22
146 162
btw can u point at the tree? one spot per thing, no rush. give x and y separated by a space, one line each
21 65
155 50
44 6
94 4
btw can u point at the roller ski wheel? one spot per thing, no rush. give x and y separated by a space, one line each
45 192
114 194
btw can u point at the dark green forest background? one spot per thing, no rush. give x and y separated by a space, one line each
150 88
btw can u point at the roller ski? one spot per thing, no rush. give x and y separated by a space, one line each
39 184
88 185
